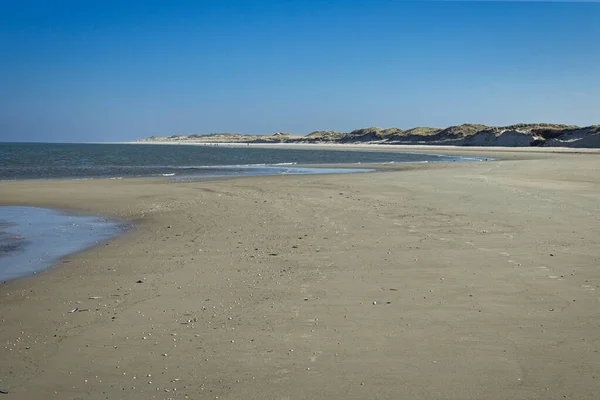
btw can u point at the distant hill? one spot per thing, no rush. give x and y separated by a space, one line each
518 135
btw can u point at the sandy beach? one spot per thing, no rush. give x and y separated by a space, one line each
428 281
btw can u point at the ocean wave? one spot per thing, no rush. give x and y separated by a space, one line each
227 166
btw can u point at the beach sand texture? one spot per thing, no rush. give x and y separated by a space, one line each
448 281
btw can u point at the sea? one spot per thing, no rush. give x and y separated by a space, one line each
88 161
32 239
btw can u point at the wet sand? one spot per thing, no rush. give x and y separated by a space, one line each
439 281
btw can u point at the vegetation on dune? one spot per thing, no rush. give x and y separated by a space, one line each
523 134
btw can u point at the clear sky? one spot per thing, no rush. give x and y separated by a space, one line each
105 70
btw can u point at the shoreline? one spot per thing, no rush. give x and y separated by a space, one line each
272 286
359 167
363 168
379 146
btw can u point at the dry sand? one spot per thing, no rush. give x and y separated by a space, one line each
449 281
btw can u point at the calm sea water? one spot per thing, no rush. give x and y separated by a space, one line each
73 161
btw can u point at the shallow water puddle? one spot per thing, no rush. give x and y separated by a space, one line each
33 239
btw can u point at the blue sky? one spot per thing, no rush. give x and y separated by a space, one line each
120 70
